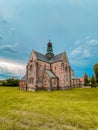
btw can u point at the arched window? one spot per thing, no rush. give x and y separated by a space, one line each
32 80
31 67
55 81
65 68
62 65
67 79
44 66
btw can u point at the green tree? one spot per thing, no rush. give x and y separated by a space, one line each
96 71
86 79
11 82
93 81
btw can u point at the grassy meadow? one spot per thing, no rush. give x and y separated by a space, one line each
74 109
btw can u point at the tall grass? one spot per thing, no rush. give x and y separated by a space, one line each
75 109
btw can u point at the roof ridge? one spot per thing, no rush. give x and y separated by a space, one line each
59 54
59 57
41 56
38 52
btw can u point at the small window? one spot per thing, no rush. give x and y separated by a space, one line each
44 66
65 68
55 82
66 79
32 80
31 67
45 81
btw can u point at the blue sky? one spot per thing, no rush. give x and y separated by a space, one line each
72 26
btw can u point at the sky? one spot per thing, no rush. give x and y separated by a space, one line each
26 25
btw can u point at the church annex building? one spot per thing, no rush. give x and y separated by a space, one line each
48 72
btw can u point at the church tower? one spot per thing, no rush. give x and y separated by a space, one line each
49 53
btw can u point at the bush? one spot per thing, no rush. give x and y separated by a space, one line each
10 82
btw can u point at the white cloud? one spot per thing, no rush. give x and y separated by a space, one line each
93 42
83 51
80 53
84 47
11 68
77 42
6 12
77 51
87 53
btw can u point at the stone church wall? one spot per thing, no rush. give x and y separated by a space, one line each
22 84
61 69
54 82
41 66
31 75
46 81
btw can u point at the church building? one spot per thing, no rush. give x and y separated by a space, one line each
48 71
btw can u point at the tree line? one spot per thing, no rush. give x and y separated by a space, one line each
10 82
93 81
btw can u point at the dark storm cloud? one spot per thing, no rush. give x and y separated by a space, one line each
8 48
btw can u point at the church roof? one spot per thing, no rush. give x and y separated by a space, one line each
56 58
50 74
41 56
59 57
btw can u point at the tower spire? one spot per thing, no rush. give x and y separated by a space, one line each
49 47
49 53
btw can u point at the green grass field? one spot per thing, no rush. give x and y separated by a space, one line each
74 109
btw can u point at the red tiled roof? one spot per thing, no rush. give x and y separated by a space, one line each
81 79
